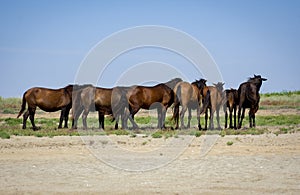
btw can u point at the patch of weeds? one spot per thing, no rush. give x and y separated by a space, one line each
120 132
38 135
13 121
144 143
198 133
229 143
255 131
284 130
168 134
133 135
157 134
223 133
4 135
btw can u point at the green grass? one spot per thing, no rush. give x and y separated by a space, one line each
277 120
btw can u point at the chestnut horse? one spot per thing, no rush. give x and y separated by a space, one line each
249 97
231 103
49 100
217 99
160 97
189 97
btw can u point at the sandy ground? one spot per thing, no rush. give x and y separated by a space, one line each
253 164
142 165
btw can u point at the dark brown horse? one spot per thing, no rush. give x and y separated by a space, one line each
159 97
189 97
249 97
107 101
49 100
231 103
216 101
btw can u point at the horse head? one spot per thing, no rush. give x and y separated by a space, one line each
219 86
200 83
257 80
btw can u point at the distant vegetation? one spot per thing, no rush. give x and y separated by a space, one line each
281 100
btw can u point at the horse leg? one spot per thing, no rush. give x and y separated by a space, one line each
230 119
31 117
84 117
198 118
101 120
189 118
241 117
61 118
183 110
218 119
211 118
206 118
250 118
117 122
76 114
176 116
163 117
124 118
253 118
66 116
133 111
234 115
25 117
226 118
159 117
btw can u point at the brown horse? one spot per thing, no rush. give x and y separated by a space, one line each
189 97
49 100
249 97
159 97
107 101
231 103
216 101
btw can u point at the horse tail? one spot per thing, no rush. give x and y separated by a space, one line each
23 107
206 102
177 99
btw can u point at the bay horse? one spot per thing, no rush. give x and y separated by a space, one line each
160 97
248 94
217 98
189 97
49 100
231 103
106 101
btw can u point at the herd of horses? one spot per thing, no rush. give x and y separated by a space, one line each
124 102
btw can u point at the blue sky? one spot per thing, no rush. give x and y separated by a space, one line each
42 43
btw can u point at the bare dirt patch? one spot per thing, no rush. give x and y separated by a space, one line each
252 164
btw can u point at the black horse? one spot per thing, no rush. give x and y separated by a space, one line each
248 94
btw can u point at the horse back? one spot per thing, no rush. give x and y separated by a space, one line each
248 94
49 100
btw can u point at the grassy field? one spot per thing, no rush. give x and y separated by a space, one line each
270 102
